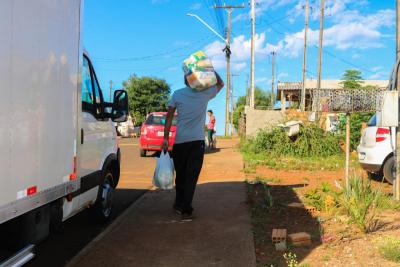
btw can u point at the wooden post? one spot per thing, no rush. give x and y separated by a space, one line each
283 102
347 149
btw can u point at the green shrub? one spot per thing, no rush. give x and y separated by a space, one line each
310 142
361 202
323 198
356 121
389 248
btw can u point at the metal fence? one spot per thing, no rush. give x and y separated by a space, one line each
347 100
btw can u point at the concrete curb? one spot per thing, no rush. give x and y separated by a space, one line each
118 221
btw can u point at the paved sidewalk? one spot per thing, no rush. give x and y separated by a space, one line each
150 234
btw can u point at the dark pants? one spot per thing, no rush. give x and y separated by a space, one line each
210 136
188 160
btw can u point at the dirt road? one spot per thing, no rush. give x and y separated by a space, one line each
151 234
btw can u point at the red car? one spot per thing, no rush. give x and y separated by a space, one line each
152 133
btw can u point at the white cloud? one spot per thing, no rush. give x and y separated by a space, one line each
353 31
379 75
263 80
377 68
240 48
195 6
262 6
282 75
355 56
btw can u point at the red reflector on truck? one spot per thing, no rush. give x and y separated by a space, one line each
72 176
31 190
381 134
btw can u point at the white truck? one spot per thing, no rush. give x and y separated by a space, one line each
58 147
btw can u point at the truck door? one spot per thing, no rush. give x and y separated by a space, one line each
97 134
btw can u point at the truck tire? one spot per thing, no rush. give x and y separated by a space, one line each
102 209
389 170
143 153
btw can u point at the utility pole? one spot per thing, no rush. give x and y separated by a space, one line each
227 51
273 53
320 47
252 53
247 91
303 90
232 102
111 86
397 152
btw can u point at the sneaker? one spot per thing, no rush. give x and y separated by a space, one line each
178 210
187 217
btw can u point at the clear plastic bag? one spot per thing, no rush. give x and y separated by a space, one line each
163 177
199 71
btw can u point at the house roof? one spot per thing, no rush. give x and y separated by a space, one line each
326 84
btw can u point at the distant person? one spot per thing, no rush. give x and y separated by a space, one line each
188 149
211 129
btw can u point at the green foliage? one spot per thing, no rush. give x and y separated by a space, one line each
323 198
262 100
311 141
361 202
241 101
352 79
237 114
146 94
389 248
291 259
356 121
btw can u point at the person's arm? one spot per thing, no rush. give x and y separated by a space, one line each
167 127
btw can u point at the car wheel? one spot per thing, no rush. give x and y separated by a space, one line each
389 170
143 153
103 208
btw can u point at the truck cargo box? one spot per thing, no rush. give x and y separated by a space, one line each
39 85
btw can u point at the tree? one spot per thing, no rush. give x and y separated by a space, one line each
241 101
146 94
352 79
262 100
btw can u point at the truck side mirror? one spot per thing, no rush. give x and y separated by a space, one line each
120 110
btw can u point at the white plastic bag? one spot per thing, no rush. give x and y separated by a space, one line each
163 177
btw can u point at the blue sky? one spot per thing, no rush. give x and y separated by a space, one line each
153 37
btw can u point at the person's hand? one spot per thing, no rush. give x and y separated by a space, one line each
165 145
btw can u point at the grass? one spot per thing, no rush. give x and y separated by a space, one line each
389 248
330 163
361 203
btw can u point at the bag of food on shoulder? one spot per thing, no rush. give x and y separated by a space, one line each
199 71
163 177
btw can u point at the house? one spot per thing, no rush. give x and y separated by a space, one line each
291 91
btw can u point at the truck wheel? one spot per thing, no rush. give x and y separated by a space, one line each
389 170
102 209
143 153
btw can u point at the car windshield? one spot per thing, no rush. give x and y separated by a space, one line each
155 119
372 121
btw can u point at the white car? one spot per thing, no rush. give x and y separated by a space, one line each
375 152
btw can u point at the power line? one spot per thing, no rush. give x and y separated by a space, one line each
157 55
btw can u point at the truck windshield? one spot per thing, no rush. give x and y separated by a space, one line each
155 119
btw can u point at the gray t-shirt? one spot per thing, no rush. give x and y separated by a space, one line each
191 106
